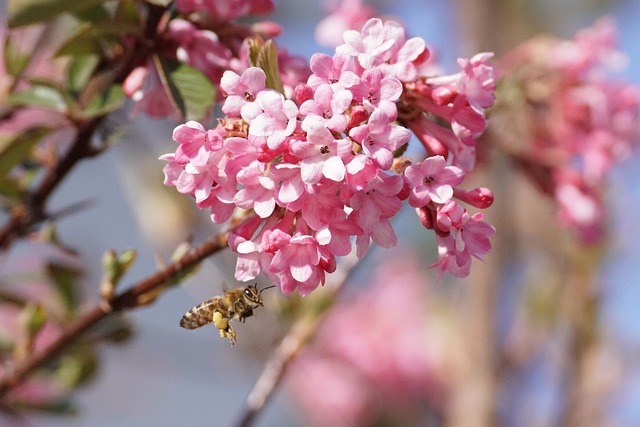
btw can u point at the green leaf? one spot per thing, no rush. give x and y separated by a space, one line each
17 149
127 11
81 42
10 192
32 319
27 12
39 96
114 266
104 103
78 367
14 61
163 3
65 279
80 70
93 14
265 55
192 92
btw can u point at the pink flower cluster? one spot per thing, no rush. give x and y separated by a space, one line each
316 169
586 124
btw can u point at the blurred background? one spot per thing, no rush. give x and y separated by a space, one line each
497 348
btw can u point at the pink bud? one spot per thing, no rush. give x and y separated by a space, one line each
267 28
134 80
426 217
479 197
404 193
358 115
302 93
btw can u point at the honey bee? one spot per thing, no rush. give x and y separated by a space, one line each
235 304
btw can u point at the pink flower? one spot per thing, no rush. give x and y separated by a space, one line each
401 59
367 45
451 216
432 181
299 264
379 138
319 202
192 136
330 105
450 259
320 154
378 91
469 237
271 118
360 172
336 234
241 89
372 209
292 187
331 70
258 193
580 208
478 81
252 258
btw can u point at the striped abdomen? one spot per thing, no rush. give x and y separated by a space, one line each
201 314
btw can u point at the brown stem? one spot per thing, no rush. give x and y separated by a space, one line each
580 303
32 210
137 295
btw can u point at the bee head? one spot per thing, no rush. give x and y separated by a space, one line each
252 294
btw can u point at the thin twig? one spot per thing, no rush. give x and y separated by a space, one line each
137 295
298 336
32 210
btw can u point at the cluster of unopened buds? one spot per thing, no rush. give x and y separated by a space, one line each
326 166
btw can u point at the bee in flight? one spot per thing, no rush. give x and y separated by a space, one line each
235 304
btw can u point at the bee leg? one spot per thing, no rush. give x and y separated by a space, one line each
226 330
231 334
248 313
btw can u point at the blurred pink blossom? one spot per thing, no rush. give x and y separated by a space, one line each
376 356
580 121
343 15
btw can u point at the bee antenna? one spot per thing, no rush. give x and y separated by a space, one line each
268 287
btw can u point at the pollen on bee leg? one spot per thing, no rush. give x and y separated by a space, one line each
220 322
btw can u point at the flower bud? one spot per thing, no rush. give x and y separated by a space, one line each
302 93
479 197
